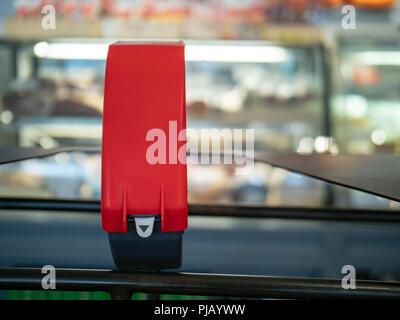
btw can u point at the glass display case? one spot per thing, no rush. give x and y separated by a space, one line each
366 106
54 99
274 89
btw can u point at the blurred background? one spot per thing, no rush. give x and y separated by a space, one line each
289 69
299 79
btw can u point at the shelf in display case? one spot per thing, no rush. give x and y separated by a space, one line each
30 28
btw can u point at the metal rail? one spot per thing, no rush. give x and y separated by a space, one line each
121 285
335 214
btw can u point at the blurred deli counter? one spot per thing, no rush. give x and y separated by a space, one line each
367 104
51 95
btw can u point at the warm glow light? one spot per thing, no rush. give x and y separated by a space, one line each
356 106
6 117
325 145
378 137
41 49
377 58
71 51
218 53
231 53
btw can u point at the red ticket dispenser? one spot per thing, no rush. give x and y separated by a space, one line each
144 180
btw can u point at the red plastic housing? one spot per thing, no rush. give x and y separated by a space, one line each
144 90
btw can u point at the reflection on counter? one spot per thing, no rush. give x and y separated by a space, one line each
77 175
276 90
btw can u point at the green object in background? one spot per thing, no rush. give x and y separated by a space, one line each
85 295
139 296
56 295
